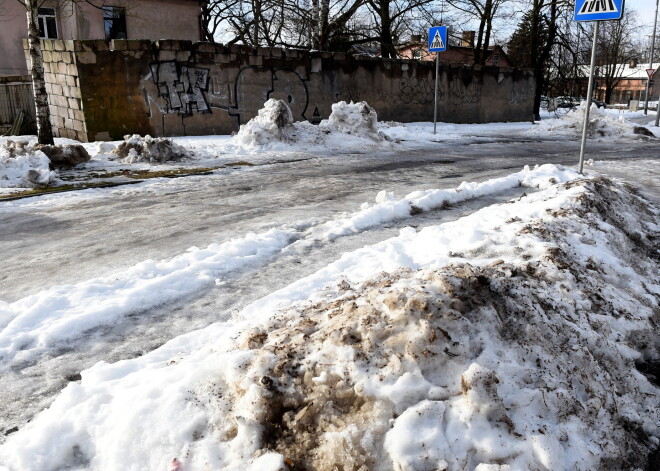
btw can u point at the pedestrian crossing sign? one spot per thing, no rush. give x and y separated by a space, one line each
438 39
595 10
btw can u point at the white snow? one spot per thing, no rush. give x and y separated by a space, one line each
23 167
603 124
503 340
34 324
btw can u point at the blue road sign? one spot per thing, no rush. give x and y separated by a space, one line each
437 39
595 10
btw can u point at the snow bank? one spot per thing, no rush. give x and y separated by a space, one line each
358 119
22 166
349 125
273 123
504 340
601 124
149 149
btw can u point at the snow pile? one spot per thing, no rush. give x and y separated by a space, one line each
349 126
22 166
65 156
506 340
601 124
149 149
273 123
358 119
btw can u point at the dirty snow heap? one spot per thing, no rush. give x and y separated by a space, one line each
520 337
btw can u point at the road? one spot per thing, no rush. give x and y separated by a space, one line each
68 238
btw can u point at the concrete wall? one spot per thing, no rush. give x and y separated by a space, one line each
145 19
173 87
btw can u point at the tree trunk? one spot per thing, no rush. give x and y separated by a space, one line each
315 34
387 49
324 19
44 128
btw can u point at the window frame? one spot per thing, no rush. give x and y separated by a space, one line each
44 14
112 15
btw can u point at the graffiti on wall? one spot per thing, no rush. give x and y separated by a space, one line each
181 88
253 86
187 90
415 91
459 94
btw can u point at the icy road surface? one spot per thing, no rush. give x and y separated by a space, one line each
68 238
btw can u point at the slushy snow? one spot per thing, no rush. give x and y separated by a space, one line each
505 340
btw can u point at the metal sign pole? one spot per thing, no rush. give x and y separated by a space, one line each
648 81
590 89
435 110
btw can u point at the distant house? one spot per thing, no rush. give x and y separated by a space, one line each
631 85
112 19
463 54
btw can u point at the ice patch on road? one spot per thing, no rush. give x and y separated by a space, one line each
504 340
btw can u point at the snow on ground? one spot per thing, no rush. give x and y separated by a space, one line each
272 136
603 124
31 326
21 166
506 340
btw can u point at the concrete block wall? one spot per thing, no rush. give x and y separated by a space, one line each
171 87
63 87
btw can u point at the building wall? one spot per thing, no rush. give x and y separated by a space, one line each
13 28
145 19
100 91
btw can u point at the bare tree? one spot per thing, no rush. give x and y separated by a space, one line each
391 18
44 128
484 11
616 47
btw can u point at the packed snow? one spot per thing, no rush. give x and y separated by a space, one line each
35 324
349 125
522 336
21 166
603 124
136 148
506 340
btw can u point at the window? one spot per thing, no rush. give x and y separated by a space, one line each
496 59
47 23
114 21
417 54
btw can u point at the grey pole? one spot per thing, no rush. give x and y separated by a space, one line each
648 81
435 110
590 90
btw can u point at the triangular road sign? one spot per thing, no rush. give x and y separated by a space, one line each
650 72
437 41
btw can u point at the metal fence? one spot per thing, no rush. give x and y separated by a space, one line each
16 96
